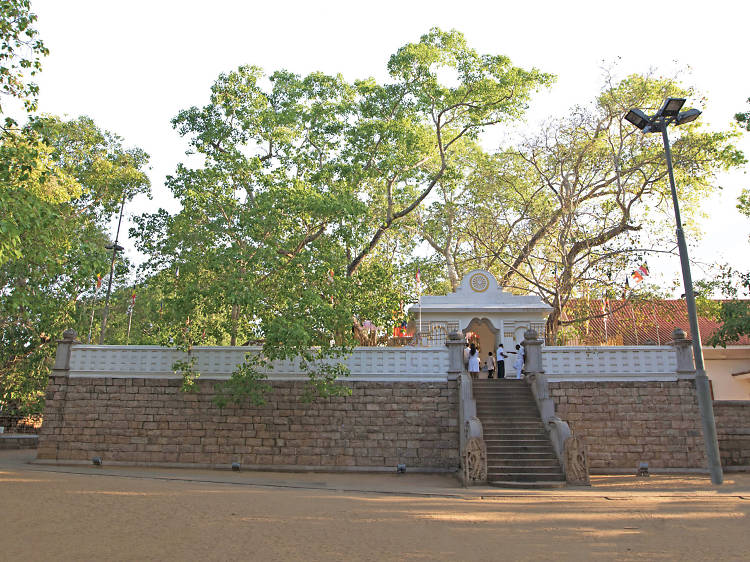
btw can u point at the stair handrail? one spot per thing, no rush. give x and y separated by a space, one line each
473 455
559 431
468 421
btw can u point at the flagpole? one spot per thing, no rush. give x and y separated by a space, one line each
130 317
420 315
130 320
93 310
604 310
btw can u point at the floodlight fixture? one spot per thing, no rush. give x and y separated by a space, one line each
236 466
116 247
687 116
96 461
637 118
643 469
671 107
401 468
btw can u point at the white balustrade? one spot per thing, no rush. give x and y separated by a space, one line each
364 363
375 363
609 363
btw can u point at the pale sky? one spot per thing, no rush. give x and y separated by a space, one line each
131 66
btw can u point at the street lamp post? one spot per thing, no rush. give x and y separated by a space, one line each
115 247
668 114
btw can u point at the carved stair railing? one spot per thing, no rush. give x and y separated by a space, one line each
473 448
570 449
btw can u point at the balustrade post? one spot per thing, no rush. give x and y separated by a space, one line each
62 355
533 348
455 345
683 349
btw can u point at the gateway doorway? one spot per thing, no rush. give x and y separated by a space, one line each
481 332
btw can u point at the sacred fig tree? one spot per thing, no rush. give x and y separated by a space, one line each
575 206
295 180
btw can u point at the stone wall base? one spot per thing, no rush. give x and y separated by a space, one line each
733 432
625 423
152 422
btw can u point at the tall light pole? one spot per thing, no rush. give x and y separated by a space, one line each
669 114
115 247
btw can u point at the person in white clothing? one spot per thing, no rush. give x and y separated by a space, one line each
474 362
466 357
518 363
501 355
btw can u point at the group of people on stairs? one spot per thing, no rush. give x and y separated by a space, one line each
471 361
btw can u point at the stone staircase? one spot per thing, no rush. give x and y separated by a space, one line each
519 452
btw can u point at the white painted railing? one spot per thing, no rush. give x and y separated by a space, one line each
365 363
375 363
609 363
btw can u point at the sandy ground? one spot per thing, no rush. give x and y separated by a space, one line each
114 513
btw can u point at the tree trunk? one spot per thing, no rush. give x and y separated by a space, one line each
235 318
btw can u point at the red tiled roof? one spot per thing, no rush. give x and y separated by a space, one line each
633 323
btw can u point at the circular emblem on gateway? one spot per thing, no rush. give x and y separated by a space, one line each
479 282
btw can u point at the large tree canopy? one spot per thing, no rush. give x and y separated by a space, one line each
57 207
571 208
299 181
21 52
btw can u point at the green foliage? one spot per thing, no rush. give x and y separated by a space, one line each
288 226
21 52
744 119
247 383
55 211
743 202
733 313
574 208
186 369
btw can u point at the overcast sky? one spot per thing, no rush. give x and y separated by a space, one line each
132 66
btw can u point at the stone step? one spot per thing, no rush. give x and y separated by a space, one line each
502 461
528 428
510 422
535 485
525 477
504 400
519 452
518 435
515 405
493 429
511 449
517 441
512 417
523 456
529 469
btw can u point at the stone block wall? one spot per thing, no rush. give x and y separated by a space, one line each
151 421
733 432
625 423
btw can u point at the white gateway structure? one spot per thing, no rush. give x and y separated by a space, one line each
479 305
